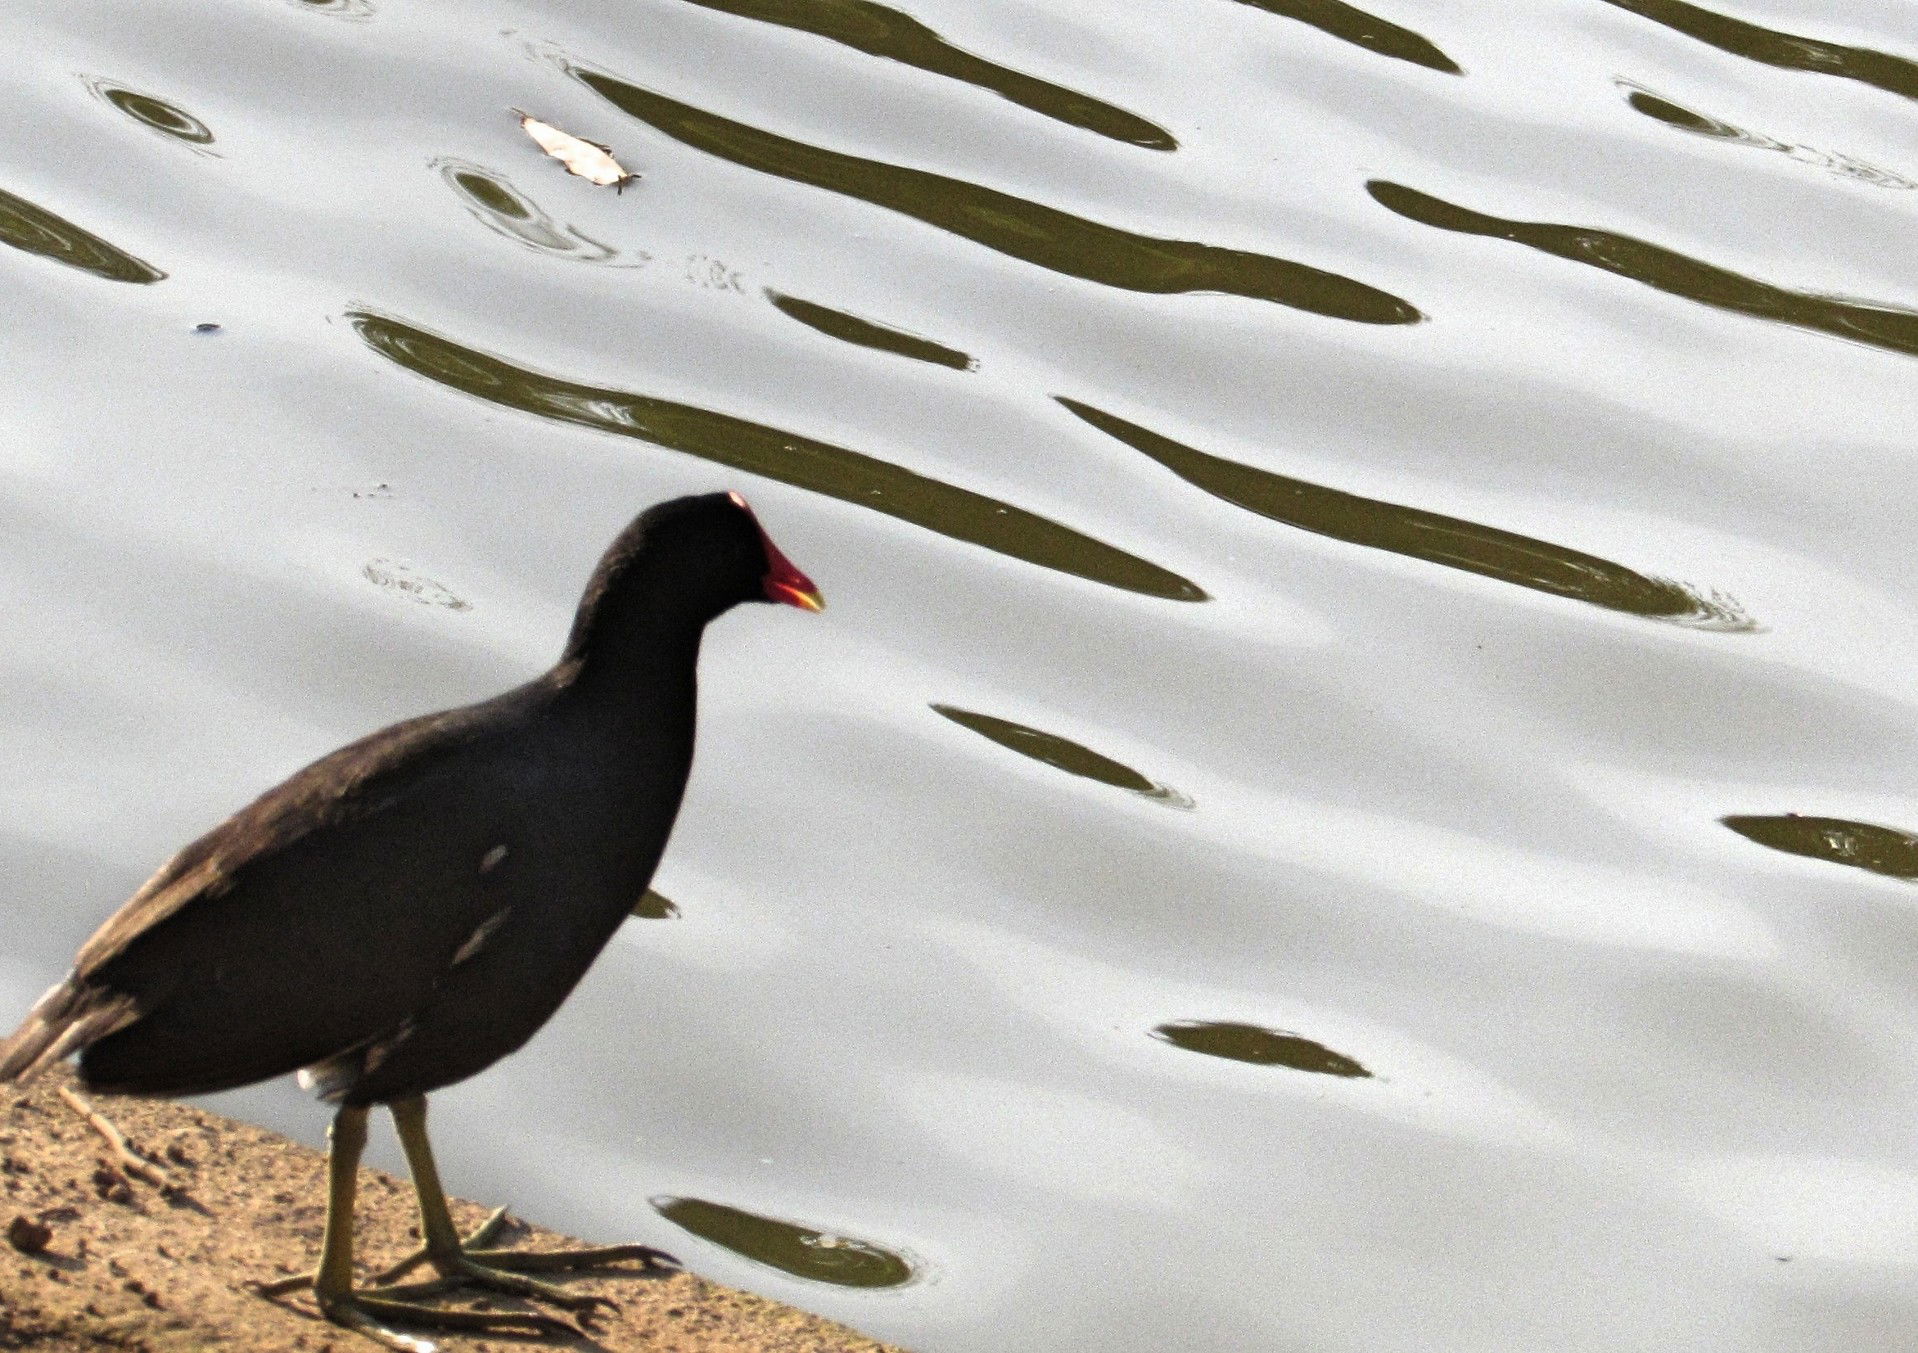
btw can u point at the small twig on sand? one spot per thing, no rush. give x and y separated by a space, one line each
130 1160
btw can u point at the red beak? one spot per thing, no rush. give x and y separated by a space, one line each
783 582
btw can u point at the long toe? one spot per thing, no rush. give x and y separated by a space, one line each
468 1272
504 1270
360 1320
604 1256
370 1314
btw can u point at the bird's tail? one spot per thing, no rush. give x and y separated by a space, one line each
64 1020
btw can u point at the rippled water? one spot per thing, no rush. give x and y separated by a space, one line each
1355 790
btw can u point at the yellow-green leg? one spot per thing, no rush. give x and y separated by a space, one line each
365 1312
461 1263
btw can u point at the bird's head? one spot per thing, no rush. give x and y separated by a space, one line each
685 562
780 582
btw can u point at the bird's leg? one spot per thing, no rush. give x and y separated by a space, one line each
459 1263
332 1283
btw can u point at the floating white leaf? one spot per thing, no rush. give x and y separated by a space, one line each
588 159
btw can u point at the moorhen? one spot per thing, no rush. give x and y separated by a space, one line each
411 908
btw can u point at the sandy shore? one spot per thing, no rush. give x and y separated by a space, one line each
92 1256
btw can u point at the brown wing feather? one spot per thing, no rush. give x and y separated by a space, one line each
340 786
55 1028
268 942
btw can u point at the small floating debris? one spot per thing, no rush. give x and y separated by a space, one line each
404 580
206 327
590 160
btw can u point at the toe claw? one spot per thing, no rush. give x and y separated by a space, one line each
590 1307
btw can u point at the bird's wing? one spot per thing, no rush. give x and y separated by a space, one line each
318 917
152 946
345 786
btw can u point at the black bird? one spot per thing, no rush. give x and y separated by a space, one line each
411 908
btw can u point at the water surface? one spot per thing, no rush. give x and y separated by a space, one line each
1355 794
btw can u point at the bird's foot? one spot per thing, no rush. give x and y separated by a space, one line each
480 1237
483 1234
370 1314
479 1264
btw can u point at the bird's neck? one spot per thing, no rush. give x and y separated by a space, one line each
644 667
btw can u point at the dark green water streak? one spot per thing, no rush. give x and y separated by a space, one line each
1350 24
36 230
1667 270
1011 225
1414 532
1787 51
852 329
1862 845
881 30
776 454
